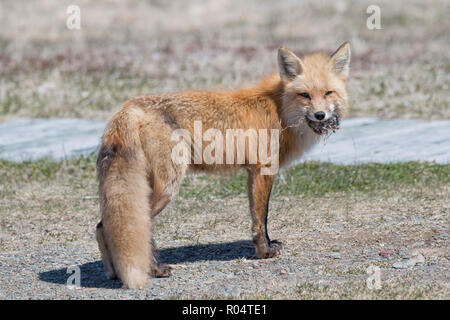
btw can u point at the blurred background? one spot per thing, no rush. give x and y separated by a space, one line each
129 47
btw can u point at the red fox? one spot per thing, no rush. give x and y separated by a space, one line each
139 175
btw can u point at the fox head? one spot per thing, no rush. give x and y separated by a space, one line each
314 86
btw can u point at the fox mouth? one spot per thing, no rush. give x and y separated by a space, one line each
324 127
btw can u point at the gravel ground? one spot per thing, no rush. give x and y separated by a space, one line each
326 252
211 271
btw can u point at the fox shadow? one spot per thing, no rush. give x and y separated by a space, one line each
225 251
92 274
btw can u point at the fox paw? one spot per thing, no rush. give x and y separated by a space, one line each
162 271
270 251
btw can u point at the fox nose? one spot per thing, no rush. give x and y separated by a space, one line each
320 115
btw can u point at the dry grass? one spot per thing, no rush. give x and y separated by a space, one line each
129 48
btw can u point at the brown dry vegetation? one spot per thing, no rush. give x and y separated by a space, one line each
129 48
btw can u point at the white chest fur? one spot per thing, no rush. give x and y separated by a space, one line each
306 138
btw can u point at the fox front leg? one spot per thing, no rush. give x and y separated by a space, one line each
259 188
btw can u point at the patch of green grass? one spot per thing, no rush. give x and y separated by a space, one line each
307 179
33 170
46 169
316 179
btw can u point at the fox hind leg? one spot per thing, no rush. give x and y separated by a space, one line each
163 189
157 203
105 254
159 270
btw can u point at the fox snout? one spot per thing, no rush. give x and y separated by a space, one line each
323 114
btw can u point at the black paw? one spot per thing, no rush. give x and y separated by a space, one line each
270 251
162 271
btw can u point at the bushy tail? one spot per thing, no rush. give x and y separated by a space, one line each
124 203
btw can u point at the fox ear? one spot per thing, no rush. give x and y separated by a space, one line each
340 60
289 64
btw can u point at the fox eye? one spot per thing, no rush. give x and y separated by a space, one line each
328 93
304 95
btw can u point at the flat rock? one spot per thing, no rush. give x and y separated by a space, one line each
416 259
